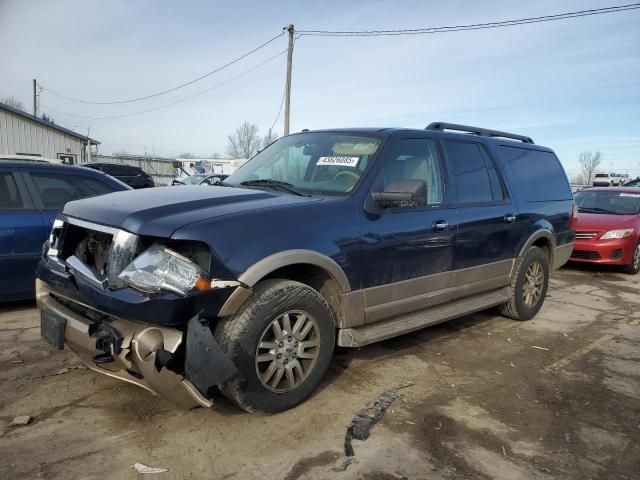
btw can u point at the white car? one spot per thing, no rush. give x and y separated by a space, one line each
609 179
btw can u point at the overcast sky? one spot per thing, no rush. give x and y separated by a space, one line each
573 85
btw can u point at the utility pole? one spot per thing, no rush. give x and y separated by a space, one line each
35 98
287 100
89 145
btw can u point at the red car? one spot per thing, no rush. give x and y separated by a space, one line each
608 227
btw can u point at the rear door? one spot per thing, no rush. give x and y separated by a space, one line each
53 189
22 234
488 227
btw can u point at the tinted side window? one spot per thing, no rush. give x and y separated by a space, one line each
56 190
538 175
10 197
414 159
496 184
470 174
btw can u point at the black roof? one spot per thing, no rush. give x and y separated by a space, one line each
33 118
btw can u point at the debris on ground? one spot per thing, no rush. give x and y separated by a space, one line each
142 468
539 348
366 418
21 420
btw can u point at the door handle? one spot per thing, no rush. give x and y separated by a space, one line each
441 226
510 218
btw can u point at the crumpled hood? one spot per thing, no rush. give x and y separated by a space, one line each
161 211
599 222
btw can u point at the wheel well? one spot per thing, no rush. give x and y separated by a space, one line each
318 279
545 245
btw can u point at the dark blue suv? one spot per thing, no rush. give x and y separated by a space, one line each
31 194
343 237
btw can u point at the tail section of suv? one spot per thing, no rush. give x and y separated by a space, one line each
337 237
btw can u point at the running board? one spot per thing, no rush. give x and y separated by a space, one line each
409 322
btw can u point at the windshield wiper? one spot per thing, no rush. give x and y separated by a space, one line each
268 182
595 210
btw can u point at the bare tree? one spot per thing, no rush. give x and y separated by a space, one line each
244 142
187 155
589 161
47 118
269 138
13 102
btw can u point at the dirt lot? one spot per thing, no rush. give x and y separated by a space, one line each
555 397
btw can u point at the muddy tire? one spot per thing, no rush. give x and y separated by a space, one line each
281 341
634 267
528 286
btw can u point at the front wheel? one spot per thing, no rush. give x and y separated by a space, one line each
281 341
528 286
634 266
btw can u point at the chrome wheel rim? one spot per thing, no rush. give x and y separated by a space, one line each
287 351
636 258
533 282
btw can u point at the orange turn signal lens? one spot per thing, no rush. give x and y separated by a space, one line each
202 284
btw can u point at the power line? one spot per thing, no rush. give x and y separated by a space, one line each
279 110
476 26
177 101
182 85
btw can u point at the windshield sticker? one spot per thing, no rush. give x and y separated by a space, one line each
342 161
634 195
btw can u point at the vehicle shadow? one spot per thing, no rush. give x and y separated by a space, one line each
401 345
594 268
16 306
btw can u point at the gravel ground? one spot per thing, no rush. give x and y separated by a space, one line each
477 397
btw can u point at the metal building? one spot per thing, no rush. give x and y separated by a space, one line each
22 133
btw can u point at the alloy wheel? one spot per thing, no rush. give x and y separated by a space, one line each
533 284
287 351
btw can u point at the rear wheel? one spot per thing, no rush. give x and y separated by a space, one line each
528 286
634 266
281 341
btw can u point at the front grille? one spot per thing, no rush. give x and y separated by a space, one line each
585 235
585 254
105 250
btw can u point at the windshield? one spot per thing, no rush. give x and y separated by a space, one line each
602 175
194 179
314 162
618 203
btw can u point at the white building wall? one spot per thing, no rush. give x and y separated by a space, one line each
21 135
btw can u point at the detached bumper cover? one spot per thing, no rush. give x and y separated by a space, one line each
142 352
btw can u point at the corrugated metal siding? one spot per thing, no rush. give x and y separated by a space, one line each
21 135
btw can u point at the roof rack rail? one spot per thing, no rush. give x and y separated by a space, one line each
483 132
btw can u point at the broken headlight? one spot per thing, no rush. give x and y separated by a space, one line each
160 268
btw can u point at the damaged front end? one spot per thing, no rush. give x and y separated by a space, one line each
158 339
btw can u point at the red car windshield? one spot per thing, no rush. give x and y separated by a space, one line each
611 202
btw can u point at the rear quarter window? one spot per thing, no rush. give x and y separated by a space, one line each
537 175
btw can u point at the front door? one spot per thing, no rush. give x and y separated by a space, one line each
407 253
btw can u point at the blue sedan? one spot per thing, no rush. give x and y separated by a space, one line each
31 193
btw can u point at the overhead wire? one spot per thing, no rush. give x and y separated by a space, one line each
202 92
476 26
173 89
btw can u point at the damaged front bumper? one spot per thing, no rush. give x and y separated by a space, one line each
179 366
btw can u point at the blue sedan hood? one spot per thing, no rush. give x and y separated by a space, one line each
161 211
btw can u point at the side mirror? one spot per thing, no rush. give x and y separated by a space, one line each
402 194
